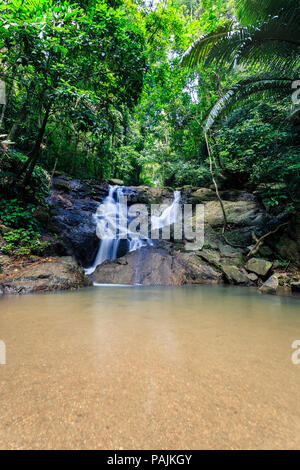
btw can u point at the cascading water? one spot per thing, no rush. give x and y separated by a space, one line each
168 216
125 241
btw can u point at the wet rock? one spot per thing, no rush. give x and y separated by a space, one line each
235 275
270 286
258 266
49 275
156 267
116 182
72 213
145 266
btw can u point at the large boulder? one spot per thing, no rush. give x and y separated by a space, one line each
48 275
237 212
147 195
235 275
202 194
196 270
259 266
270 286
157 267
73 205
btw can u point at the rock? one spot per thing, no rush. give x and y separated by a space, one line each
295 286
145 266
146 195
58 274
252 276
231 256
211 256
62 186
156 267
238 213
270 286
234 274
230 252
211 238
4 261
196 271
258 266
116 182
203 194
72 214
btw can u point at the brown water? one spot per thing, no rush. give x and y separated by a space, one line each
149 368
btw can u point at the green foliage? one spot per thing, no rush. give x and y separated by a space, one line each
268 40
10 166
15 214
256 149
120 107
22 236
181 174
22 242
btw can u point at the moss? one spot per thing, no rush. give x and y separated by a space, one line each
60 186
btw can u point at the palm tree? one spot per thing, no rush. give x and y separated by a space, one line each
266 37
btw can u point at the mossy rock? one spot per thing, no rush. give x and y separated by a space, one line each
233 274
60 186
259 266
116 182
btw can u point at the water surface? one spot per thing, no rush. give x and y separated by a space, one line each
149 368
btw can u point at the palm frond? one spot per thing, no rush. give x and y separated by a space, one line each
199 49
275 44
245 89
294 113
252 11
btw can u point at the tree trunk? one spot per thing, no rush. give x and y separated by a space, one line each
28 168
13 132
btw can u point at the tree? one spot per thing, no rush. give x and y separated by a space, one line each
69 53
268 38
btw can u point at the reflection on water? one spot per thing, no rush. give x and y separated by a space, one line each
142 367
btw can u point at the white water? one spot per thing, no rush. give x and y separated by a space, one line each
111 207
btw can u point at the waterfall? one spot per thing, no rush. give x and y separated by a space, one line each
168 216
125 241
